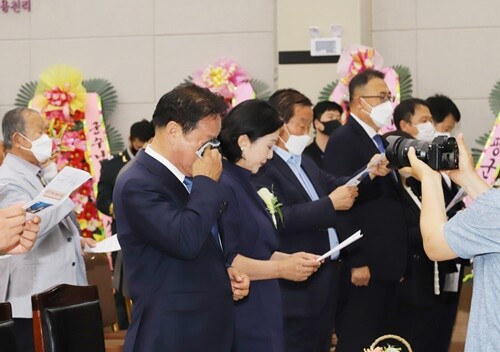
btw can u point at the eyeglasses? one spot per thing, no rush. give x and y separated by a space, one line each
383 98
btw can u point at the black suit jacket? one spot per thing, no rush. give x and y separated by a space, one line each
378 210
175 268
418 287
316 154
109 172
304 229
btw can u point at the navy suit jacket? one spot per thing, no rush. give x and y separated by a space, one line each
378 211
248 230
305 228
175 268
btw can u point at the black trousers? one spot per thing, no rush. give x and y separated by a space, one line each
23 329
314 333
364 312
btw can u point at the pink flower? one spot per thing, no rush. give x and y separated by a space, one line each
223 77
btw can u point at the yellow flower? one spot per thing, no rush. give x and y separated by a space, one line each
60 87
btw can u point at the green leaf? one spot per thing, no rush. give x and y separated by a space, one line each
262 89
481 142
115 139
494 99
25 94
405 81
109 100
107 92
327 90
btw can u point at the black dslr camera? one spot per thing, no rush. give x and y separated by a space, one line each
440 154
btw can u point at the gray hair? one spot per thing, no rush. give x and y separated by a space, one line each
12 122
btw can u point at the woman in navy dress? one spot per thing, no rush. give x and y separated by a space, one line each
250 239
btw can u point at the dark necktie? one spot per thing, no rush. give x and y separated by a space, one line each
380 146
380 143
188 182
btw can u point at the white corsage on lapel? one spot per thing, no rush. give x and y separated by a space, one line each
272 204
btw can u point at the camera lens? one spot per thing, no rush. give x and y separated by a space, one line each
397 151
440 154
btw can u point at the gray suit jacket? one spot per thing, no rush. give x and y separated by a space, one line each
56 256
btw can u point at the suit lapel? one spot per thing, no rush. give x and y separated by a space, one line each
285 170
34 181
371 148
162 172
368 144
311 171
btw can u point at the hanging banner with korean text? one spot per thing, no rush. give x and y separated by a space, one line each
97 145
488 165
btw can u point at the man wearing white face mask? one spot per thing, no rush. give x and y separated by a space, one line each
56 256
375 264
311 202
428 303
414 117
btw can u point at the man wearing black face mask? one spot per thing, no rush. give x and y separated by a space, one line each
326 119
140 133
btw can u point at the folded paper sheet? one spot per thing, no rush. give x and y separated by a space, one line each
341 245
110 244
66 181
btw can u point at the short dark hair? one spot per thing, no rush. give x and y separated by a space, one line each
186 105
255 118
441 106
361 79
323 106
406 109
142 130
284 101
13 121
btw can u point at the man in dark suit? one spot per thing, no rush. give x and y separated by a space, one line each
311 200
427 304
326 119
166 207
375 265
140 133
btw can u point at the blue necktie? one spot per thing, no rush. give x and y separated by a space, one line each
295 161
380 143
188 182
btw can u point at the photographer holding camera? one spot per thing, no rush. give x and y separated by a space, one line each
428 302
472 233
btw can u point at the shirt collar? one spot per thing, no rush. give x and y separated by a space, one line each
154 154
31 167
288 157
368 129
